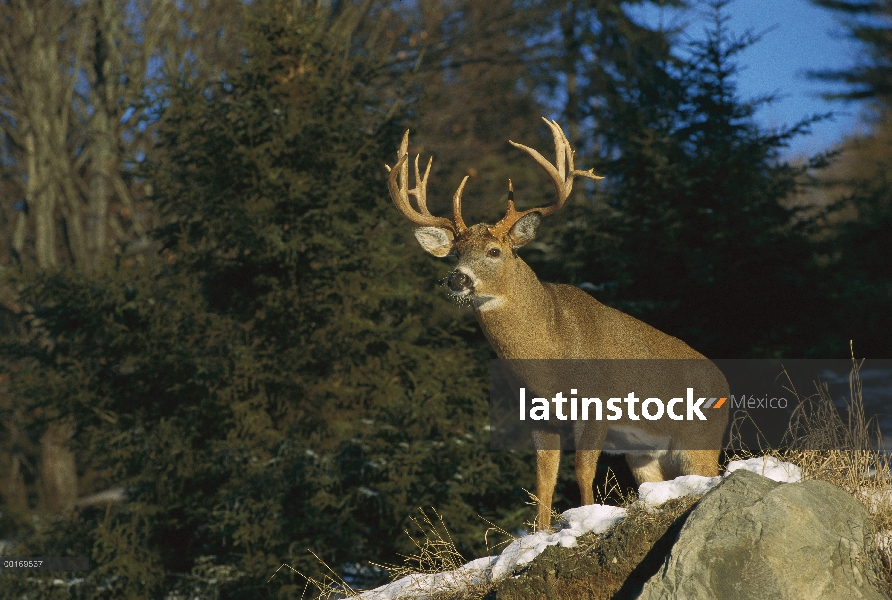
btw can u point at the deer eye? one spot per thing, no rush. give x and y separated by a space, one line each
493 253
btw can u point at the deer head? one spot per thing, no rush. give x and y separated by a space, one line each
488 264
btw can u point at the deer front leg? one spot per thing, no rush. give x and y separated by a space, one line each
589 439
547 463
548 459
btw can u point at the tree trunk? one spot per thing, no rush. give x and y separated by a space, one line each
102 173
41 198
102 147
58 468
68 72
569 16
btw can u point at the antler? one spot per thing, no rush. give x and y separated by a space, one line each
400 193
561 176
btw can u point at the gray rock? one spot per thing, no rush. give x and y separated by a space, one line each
753 538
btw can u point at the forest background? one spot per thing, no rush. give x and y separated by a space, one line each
222 347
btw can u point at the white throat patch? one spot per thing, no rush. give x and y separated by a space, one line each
484 303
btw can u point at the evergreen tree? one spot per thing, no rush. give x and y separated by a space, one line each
854 245
868 24
286 377
692 235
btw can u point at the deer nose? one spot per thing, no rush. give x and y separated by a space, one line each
458 281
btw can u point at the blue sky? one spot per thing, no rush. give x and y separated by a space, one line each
802 37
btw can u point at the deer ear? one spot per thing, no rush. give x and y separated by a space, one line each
436 240
525 229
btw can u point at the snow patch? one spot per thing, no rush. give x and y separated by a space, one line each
884 541
595 518
768 466
656 493
421 586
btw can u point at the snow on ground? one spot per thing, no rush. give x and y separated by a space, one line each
768 466
596 518
423 585
877 500
884 541
655 494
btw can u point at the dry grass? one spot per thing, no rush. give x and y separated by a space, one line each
436 554
328 588
842 448
436 551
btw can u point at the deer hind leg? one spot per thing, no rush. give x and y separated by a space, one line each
548 459
645 467
697 462
586 465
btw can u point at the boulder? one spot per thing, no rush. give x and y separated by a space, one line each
751 537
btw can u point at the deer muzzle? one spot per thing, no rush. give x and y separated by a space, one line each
459 282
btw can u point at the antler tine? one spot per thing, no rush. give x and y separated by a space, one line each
549 168
561 176
561 149
456 207
420 191
404 171
400 191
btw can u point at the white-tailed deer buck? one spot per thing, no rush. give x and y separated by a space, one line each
524 318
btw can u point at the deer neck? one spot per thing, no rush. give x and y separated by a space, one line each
521 324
